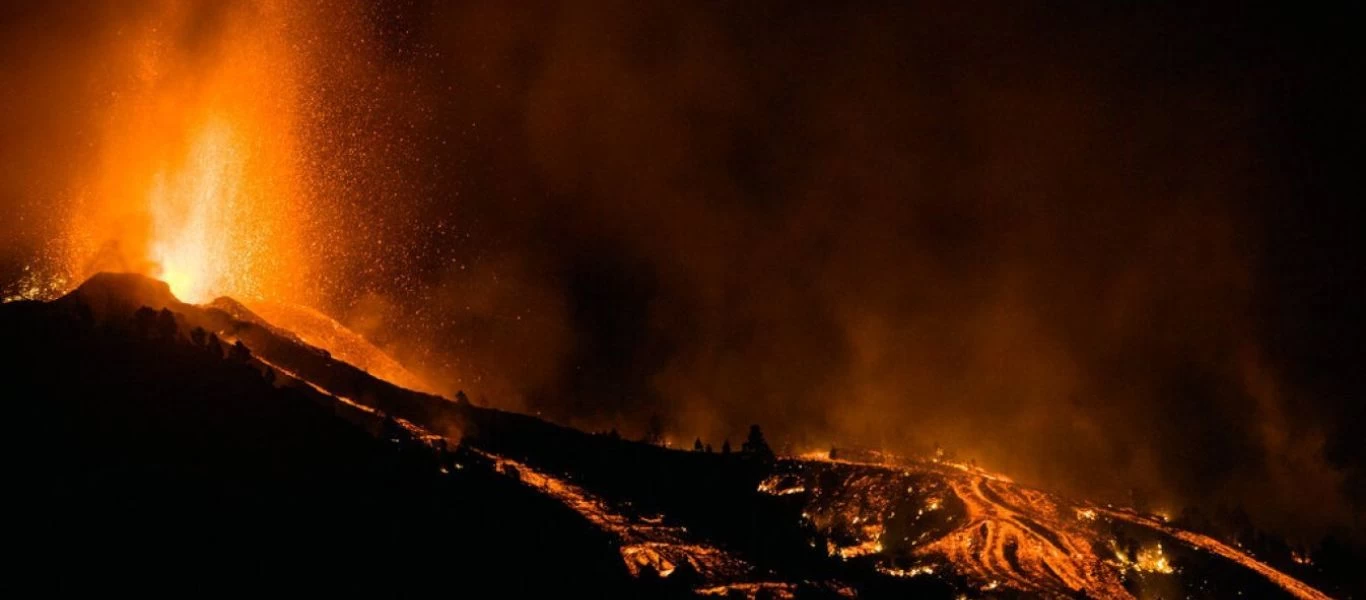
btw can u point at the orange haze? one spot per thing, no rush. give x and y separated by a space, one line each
195 180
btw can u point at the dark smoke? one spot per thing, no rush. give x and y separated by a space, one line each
1098 249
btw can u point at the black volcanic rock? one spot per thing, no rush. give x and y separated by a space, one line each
118 295
145 463
112 298
119 436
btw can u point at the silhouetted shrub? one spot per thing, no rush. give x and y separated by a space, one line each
166 328
144 321
756 446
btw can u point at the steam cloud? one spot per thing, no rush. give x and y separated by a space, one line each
1048 241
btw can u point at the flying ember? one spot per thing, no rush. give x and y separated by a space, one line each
668 299
197 181
191 219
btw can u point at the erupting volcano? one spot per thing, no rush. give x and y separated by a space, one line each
200 180
196 174
649 299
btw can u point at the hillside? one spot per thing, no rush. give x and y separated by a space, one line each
150 436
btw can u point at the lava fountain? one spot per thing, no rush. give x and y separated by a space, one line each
192 227
199 174
198 180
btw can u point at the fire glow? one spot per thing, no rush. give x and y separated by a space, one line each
197 178
1010 536
191 218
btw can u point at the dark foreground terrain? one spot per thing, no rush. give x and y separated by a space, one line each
147 448
144 462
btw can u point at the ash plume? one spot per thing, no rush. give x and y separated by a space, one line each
1071 244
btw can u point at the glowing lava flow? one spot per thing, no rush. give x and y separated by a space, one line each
647 544
999 542
1008 536
1294 586
994 532
321 331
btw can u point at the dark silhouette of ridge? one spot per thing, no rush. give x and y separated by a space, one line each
146 462
150 436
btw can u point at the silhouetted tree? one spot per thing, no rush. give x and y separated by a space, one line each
144 321
199 336
725 446
166 327
834 453
755 445
214 346
697 445
461 398
654 432
709 449
269 375
614 434
239 352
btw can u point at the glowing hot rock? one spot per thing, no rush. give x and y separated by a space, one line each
193 218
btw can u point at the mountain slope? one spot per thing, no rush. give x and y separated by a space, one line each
152 464
130 424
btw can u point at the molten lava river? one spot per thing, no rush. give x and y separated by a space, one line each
925 518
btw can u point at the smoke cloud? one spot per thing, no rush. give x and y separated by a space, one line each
1053 241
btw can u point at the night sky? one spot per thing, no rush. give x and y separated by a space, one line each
1106 249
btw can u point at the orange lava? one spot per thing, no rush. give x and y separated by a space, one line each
1001 543
1296 587
646 544
197 178
321 331
1012 536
